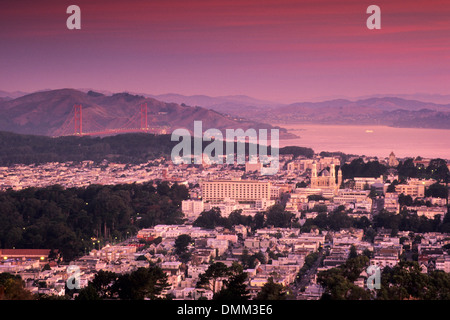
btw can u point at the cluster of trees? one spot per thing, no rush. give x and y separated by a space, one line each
124 148
335 221
69 219
359 168
404 221
234 286
12 287
338 219
274 216
339 282
404 281
437 169
297 151
138 285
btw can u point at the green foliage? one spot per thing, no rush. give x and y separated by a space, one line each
405 281
181 247
338 282
277 217
210 219
335 221
181 243
310 259
405 221
437 169
358 168
437 190
272 291
67 219
123 148
250 261
234 281
12 287
137 285
297 151
126 148
235 288
274 216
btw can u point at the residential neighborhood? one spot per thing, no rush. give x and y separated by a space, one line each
309 189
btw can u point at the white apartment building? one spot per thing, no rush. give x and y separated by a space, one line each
239 190
361 182
429 212
192 208
391 202
413 190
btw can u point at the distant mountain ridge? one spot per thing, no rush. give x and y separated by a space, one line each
44 112
390 111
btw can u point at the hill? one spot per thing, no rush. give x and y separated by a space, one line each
46 112
390 111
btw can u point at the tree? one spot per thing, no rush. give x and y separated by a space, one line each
142 283
437 190
403 281
278 217
250 261
437 169
358 168
272 291
235 287
209 278
88 293
353 252
103 283
181 243
339 282
12 287
391 187
209 219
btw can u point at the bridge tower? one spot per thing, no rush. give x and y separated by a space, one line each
78 110
144 123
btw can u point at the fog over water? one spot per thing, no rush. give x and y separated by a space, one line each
371 140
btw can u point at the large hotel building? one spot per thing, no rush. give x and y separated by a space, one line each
238 190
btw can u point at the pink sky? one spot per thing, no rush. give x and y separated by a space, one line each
277 50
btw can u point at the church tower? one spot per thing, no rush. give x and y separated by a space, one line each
314 175
332 175
339 183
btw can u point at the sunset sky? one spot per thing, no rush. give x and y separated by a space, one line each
279 50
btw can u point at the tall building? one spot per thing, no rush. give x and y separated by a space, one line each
239 190
392 162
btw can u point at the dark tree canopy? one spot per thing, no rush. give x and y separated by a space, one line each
67 219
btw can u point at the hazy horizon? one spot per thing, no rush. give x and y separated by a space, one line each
421 96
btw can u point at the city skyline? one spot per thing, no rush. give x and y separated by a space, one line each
280 51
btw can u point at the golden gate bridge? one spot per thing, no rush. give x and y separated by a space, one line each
73 125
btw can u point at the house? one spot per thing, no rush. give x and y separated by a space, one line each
443 263
25 254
